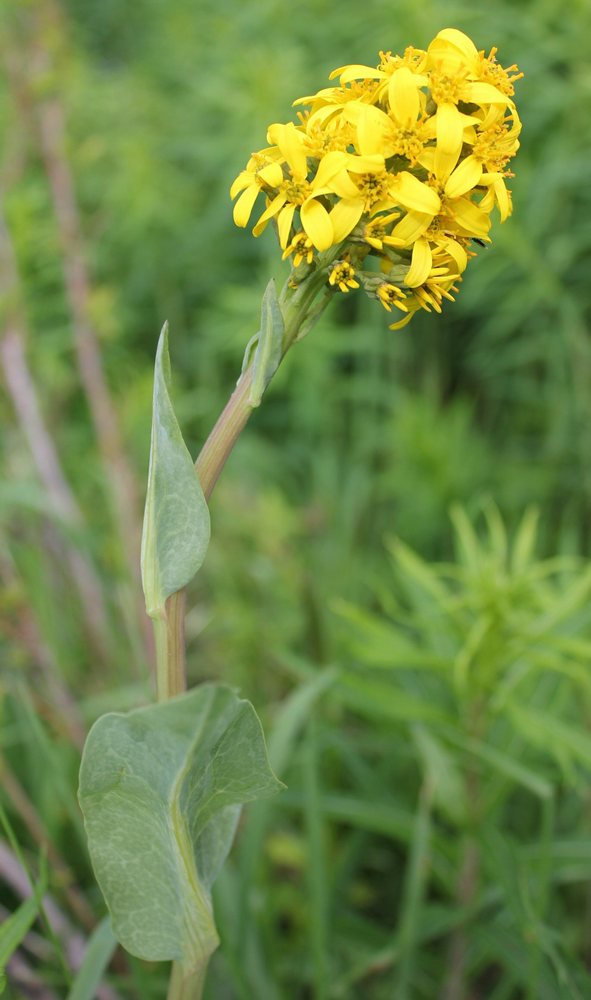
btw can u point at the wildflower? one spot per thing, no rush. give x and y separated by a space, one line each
302 249
390 295
342 275
403 162
262 172
376 232
431 278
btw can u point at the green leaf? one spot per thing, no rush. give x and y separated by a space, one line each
442 773
15 927
249 351
293 715
525 540
420 572
161 789
269 346
101 945
176 519
380 643
501 762
552 735
378 700
470 553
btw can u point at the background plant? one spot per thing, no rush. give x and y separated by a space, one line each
365 434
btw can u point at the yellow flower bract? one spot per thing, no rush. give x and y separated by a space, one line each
403 162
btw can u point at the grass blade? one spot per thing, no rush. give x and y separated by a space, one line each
101 945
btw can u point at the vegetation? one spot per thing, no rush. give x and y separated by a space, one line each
397 575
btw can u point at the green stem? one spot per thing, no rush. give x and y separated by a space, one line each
225 433
169 631
317 863
169 635
186 988
298 310
456 986
409 933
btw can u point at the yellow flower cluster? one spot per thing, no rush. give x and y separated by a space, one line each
399 166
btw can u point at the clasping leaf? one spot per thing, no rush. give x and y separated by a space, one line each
161 789
269 344
176 519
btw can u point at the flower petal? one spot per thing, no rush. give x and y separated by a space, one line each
284 221
271 174
326 94
244 205
317 224
291 144
420 265
484 93
370 164
450 129
357 72
344 217
414 195
460 41
403 322
409 229
273 207
465 177
427 159
502 196
487 203
330 166
447 59
260 227
503 199
340 184
322 115
470 217
245 179
450 135
374 127
457 253
403 93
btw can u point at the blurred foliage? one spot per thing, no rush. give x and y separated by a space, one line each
388 699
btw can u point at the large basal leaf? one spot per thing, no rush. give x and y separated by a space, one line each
176 519
161 789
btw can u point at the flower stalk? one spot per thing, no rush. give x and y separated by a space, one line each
169 631
301 306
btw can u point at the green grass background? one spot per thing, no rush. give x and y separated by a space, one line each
423 710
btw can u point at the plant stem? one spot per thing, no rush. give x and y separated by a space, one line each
317 862
180 988
298 310
456 986
415 880
170 631
225 433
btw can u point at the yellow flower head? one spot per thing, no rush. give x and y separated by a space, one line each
392 173
342 275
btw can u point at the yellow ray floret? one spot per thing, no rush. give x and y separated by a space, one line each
404 162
